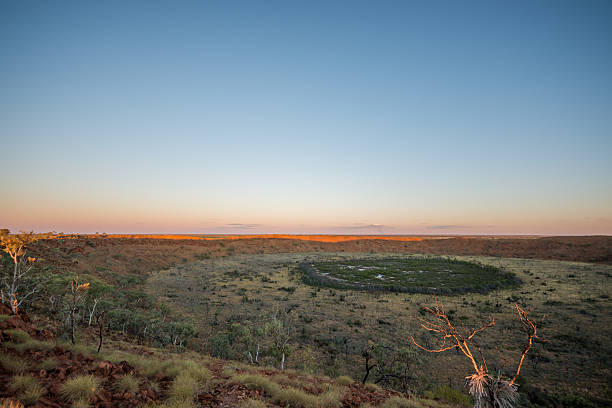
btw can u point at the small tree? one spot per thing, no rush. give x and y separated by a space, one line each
101 321
17 247
280 331
77 291
489 391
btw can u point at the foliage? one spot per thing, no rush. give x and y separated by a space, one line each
19 283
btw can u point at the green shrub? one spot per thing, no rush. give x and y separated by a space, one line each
27 389
4 317
80 388
183 388
344 380
127 383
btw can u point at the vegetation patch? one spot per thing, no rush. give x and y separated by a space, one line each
411 275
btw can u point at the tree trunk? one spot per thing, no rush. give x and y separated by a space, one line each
100 336
72 325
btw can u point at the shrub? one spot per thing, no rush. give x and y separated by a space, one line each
4 317
344 380
27 389
13 364
127 383
80 388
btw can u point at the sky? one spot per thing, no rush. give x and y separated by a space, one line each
345 117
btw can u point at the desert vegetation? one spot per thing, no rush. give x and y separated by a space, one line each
415 274
289 336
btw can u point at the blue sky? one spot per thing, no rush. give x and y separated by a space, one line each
315 117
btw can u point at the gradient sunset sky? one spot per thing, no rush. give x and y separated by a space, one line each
349 117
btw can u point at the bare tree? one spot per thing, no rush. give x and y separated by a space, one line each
489 390
17 246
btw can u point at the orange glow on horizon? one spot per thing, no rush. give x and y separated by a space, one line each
317 238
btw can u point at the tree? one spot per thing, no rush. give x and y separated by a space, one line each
17 247
489 391
101 322
77 291
280 330
97 291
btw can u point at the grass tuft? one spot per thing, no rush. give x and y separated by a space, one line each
371 387
17 335
127 383
399 402
252 403
344 380
27 389
13 364
293 397
258 382
48 364
183 388
80 388
448 394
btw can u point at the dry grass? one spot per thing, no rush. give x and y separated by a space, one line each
10 403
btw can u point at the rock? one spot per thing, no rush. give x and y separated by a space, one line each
104 368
